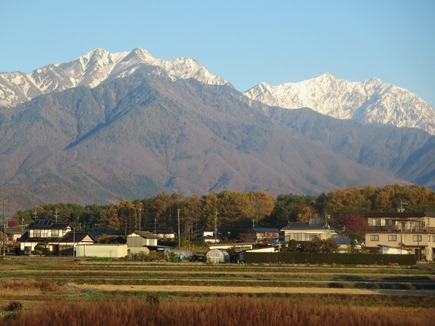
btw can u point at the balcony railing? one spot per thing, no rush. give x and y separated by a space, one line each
393 228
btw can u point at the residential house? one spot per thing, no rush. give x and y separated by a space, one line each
142 241
67 244
207 236
57 238
413 232
308 231
43 231
266 235
165 234
14 232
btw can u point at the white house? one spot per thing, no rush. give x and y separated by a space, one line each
314 228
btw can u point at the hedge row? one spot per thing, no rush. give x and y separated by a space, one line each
329 258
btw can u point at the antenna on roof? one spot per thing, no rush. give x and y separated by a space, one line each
401 209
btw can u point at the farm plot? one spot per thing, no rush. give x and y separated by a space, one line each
34 282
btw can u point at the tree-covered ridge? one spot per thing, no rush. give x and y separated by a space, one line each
236 211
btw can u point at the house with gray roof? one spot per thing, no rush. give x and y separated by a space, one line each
308 231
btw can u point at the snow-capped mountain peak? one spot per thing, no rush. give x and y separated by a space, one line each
94 68
370 101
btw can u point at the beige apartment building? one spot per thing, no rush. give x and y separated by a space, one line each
404 231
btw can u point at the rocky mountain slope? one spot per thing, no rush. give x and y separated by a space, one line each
129 125
371 101
140 135
94 68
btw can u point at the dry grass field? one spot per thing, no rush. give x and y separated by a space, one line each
45 290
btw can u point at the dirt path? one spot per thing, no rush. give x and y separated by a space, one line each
243 289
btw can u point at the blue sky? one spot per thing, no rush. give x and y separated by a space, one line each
245 42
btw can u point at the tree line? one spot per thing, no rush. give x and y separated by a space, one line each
236 211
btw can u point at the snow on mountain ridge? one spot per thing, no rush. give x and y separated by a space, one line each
370 101
92 69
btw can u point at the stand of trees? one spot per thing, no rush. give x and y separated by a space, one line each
237 211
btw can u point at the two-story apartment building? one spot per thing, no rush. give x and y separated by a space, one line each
414 232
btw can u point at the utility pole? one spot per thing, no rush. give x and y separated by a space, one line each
179 240
4 227
74 237
140 218
55 215
215 225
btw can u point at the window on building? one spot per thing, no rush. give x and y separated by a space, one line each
416 238
55 233
392 237
374 237
36 233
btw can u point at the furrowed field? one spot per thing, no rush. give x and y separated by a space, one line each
67 291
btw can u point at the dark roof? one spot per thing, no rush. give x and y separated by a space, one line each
47 224
305 226
15 229
25 238
95 232
265 230
339 241
145 234
400 214
75 237
164 232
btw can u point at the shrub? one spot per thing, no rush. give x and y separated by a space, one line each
329 258
14 306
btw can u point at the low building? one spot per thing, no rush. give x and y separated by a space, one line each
13 233
102 250
207 236
66 246
142 242
165 234
308 231
414 232
267 236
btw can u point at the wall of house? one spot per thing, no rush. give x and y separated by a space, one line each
308 235
409 240
102 250
135 240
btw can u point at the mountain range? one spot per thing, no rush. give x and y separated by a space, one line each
111 125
